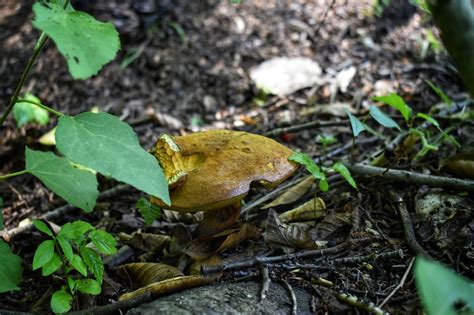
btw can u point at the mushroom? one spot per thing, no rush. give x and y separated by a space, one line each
213 170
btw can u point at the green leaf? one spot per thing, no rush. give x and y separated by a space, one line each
44 253
356 125
94 262
103 241
86 43
10 269
104 143
311 167
61 302
75 230
440 288
1 213
440 93
25 113
51 266
396 102
78 264
342 169
66 247
149 211
383 119
325 140
41 226
71 283
429 119
88 286
77 187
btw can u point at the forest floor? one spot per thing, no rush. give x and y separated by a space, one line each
188 62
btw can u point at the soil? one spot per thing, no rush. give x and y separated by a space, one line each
189 62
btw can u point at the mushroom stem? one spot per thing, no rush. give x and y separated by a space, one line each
216 221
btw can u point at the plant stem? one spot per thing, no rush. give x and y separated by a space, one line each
49 109
3 177
38 47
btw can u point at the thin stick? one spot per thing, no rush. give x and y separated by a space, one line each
305 126
400 285
59 212
294 301
265 283
47 108
413 178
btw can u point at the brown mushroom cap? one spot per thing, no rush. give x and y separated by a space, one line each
213 169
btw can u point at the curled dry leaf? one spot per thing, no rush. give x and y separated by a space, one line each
292 194
289 236
204 247
198 265
460 165
147 242
311 210
169 286
332 225
214 169
143 274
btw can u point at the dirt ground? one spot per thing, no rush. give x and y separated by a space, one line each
189 61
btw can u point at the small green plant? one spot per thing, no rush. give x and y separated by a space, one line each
74 255
89 143
320 173
410 119
442 291
325 141
149 211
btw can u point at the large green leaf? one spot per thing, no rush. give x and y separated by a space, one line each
10 269
86 43
104 143
78 187
440 289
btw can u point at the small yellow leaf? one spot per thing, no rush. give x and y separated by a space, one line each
310 210
292 194
48 138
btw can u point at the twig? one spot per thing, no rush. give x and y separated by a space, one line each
60 212
400 285
303 254
265 282
408 226
310 125
413 178
355 302
294 301
321 22
117 308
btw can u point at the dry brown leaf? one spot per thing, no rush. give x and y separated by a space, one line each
169 286
287 235
331 225
142 274
460 165
198 265
292 194
311 210
204 247
147 242
216 221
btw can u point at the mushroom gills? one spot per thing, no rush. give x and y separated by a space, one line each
175 166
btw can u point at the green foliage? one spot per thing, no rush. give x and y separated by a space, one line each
149 211
77 186
325 141
86 43
342 169
356 125
76 247
396 102
61 301
440 93
10 269
311 167
102 142
25 113
383 119
443 291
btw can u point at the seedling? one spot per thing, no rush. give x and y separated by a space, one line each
74 255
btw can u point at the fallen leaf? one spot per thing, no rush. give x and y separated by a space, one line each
292 194
311 210
143 274
460 165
